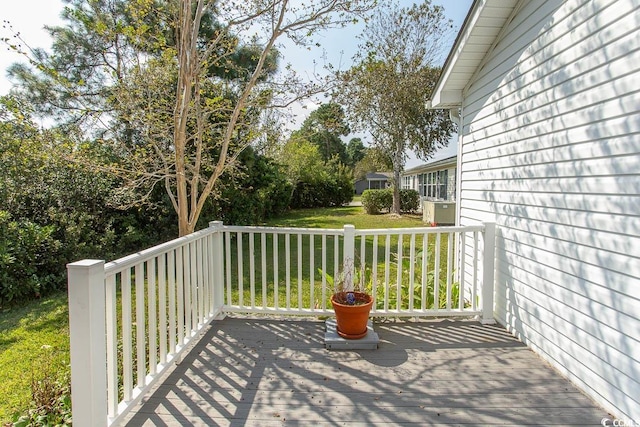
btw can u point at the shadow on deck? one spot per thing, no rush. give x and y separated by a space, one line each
268 372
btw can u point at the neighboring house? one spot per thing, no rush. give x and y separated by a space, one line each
435 180
373 181
548 102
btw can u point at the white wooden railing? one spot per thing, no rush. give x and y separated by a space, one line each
130 318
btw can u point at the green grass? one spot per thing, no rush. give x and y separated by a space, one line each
34 341
299 288
34 337
338 217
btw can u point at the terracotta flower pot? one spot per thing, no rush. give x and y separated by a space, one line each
352 320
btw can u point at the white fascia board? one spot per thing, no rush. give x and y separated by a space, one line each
447 99
444 97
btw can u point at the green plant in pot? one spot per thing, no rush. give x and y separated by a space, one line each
351 303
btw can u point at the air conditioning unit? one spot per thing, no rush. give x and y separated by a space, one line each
440 213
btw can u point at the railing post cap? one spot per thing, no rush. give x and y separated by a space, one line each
215 224
85 263
349 227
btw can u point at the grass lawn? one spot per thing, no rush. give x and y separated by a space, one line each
34 342
34 337
295 276
338 217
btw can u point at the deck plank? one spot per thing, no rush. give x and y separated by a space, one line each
275 372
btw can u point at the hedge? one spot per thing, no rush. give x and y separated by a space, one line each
377 201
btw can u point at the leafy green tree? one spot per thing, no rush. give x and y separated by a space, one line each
323 128
355 151
175 88
28 250
314 182
56 209
301 159
374 160
258 190
385 93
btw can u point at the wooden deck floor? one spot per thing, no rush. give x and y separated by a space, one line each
266 372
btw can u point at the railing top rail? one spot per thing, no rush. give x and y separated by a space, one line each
133 259
371 231
284 230
418 230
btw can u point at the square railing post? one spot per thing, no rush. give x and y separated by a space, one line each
488 272
218 265
348 256
87 330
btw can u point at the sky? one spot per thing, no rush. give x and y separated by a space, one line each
28 17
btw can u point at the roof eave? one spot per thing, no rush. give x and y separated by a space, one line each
446 95
447 161
440 97
446 99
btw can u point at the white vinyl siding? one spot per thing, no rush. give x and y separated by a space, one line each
550 150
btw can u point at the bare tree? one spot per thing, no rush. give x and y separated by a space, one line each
194 178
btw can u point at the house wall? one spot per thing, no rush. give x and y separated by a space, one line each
550 150
413 182
370 184
361 185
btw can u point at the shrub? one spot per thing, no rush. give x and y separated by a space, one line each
376 201
331 187
60 212
256 190
28 259
58 209
342 189
409 200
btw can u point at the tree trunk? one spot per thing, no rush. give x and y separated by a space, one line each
396 191
190 197
188 69
397 169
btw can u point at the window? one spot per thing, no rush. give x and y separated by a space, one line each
422 184
437 185
433 185
407 182
453 185
441 184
